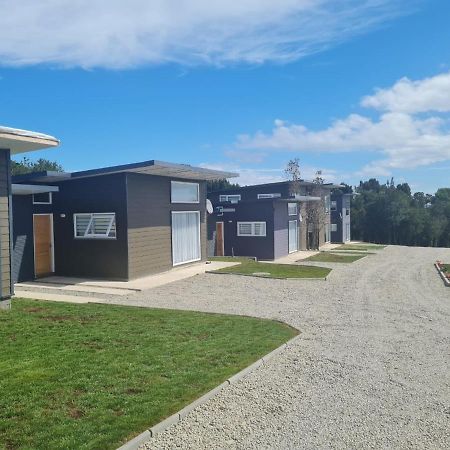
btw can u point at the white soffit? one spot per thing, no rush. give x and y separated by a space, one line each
28 189
21 141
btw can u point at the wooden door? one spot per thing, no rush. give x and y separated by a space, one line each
220 251
43 247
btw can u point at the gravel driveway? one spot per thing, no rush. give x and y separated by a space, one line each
371 369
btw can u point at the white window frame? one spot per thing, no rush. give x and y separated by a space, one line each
327 201
333 227
252 229
199 238
184 183
226 198
333 208
94 236
270 195
296 236
289 205
50 196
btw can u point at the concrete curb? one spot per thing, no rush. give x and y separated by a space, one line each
442 274
262 276
180 415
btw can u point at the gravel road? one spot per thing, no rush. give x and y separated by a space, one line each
371 369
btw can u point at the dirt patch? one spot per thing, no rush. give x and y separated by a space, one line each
34 309
75 413
133 391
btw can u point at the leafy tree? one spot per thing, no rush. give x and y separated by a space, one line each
27 166
218 185
391 214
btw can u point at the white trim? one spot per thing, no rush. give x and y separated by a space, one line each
184 182
223 235
52 235
296 208
93 236
50 196
28 189
270 195
252 229
296 239
226 198
199 238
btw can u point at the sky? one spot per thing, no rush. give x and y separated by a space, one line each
355 88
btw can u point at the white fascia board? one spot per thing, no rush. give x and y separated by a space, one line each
28 189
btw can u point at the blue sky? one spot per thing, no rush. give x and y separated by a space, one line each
212 99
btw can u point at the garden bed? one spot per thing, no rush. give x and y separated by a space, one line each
444 272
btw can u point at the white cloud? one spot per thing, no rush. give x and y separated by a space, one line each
117 33
401 133
429 94
261 175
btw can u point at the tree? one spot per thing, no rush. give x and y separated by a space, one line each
218 185
293 174
27 166
315 212
389 214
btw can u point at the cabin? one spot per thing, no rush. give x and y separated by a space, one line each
117 223
268 221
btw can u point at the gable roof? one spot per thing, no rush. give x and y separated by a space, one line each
153 167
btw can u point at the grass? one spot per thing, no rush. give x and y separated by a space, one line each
446 268
360 247
334 257
93 376
249 267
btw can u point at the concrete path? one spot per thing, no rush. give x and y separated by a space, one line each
371 370
68 289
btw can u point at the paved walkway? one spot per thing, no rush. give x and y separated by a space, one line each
371 370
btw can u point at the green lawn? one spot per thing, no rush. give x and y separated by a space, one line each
360 247
334 257
249 267
446 268
93 376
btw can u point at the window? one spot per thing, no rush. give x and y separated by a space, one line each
182 192
334 227
95 226
347 211
273 195
43 198
292 209
327 203
333 205
251 228
232 198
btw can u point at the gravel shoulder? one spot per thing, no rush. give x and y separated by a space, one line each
370 370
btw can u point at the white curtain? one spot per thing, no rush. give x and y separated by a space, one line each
185 237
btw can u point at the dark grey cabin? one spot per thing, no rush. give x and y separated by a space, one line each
340 217
266 221
118 223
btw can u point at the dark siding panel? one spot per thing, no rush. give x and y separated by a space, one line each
23 252
149 223
95 258
259 247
